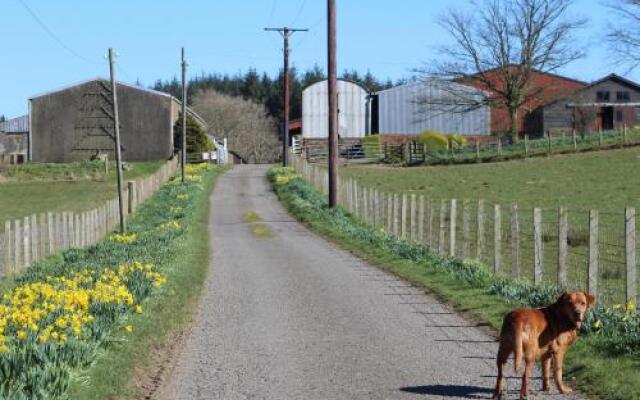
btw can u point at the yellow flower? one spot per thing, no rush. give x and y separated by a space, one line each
597 324
3 349
630 305
617 306
22 335
128 328
139 309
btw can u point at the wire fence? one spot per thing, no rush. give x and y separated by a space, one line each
475 150
573 248
27 240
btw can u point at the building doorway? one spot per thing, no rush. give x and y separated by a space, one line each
606 118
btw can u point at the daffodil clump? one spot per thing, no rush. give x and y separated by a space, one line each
282 176
182 196
123 238
196 168
170 225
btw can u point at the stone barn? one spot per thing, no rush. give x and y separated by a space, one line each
75 123
14 140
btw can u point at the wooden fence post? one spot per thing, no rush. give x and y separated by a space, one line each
442 233
548 142
526 146
396 212
412 218
575 140
365 205
43 235
538 252
50 234
18 245
78 229
453 218
430 237
8 237
34 238
466 240
592 282
477 150
421 219
515 242
480 231
563 248
630 253
131 191
497 239
403 220
26 241
624 134
389 217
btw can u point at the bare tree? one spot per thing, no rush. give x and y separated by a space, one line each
498 46
624 34
250 131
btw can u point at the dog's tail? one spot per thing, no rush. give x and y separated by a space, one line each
517 356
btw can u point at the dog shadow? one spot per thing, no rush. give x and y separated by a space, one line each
467 392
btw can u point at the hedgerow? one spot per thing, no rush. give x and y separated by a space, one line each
65 308
617 328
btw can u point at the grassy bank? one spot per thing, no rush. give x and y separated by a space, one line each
34 188
605 180
96 318
605 361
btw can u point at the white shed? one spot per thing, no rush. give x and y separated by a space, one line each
445 107
354 110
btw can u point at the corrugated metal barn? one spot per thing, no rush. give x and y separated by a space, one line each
445 107
75 123
354 110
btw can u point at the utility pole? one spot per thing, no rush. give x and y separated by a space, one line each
116 131
332 71
286 34
183 156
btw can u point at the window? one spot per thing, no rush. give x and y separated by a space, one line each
603 96
623 96
619 116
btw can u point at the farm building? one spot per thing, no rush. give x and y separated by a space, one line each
354 110
544 88
411 109
609 103
14 140
75 123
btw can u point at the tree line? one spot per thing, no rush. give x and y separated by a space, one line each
265 89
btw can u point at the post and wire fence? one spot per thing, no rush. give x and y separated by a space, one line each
26 240
573 248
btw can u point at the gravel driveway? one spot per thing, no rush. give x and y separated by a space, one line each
287 315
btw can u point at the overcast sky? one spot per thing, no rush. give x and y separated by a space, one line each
389 38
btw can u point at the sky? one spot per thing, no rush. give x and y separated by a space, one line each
67 40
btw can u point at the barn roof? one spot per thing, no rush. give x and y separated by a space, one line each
66 87
15 125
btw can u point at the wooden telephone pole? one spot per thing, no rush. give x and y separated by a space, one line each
116 132
286 34
183 155
332 71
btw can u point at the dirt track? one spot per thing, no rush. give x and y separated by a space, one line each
287 315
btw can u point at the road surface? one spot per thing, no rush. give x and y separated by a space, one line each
287 315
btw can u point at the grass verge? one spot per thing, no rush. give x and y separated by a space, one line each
128 367
468 287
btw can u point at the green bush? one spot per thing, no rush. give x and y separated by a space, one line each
197 140
433 140
371 146
457 141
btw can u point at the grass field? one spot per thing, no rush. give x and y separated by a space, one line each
29 189
607 180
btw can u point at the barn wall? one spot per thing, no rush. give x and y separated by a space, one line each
400 112
65 124
353 106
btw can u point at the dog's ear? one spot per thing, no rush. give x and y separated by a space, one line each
564 297
591 299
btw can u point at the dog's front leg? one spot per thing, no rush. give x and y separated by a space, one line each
546 372
558 359
528 370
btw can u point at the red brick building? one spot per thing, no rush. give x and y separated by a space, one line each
544 88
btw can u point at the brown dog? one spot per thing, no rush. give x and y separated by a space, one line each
544 333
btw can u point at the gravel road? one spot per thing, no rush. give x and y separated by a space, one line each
287 315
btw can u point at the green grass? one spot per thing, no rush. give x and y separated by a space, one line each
38 188
595 373
127 368
606 180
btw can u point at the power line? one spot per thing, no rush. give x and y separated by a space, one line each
54 36
304 3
